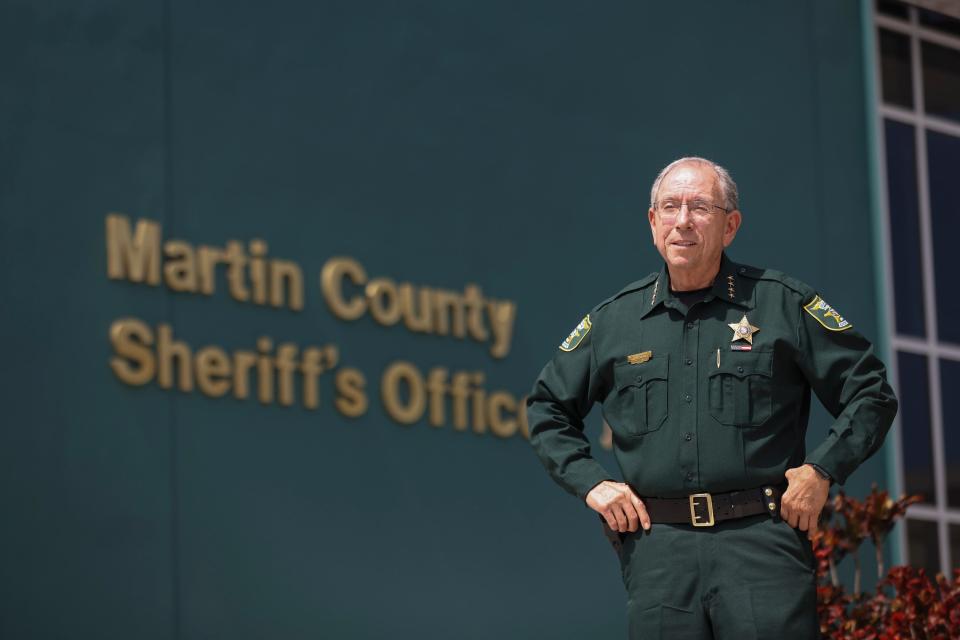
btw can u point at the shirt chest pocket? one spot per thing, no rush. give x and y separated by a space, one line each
741 389
639 405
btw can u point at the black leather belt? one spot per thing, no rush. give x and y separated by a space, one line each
706 509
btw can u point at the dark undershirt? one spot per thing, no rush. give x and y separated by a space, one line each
690 298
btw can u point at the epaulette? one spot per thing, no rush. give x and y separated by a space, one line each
799 287
637 285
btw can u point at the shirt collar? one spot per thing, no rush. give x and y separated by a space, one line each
729 286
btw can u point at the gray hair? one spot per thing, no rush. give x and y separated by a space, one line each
728 188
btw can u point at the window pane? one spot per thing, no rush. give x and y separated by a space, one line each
915 425
892 8
922 543
954 546
939 21
904 228
895 69
943 153
950 388
941 80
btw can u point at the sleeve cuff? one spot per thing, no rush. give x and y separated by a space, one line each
584 476
834 458
823 473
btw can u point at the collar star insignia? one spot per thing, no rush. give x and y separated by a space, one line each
743 330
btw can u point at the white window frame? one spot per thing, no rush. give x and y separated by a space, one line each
934 350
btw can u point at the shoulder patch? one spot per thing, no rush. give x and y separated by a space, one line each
826 315
576 336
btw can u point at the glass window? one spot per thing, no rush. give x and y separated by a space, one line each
940 22
924 259
922 542
941 80
892 8
950 384
955 545
904 228
896 77
916 443
943 159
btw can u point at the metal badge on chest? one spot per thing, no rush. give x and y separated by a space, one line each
742 330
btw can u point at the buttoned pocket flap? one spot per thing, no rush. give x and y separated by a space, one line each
636 375
639 404
741 388
745 363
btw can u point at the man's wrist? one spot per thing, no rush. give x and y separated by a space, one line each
823 473
594 487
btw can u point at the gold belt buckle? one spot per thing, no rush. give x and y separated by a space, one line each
693 510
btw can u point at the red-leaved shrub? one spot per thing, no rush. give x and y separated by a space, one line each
906 604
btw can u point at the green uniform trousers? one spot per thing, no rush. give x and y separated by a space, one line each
745 579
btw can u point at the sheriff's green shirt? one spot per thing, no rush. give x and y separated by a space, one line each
711 398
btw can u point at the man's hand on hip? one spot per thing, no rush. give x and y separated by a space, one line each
619 505
804 498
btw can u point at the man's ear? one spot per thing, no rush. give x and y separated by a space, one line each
731 226
652 218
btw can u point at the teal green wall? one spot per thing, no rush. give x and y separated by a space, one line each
508 144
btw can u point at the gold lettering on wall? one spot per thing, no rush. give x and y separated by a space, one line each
143 355
402 379
133 363
441 312
311 368
173 354
283 373
436 388
180 268
286 284
213 371
133 256
384 301
478 403
351 400
137 253
243 362
500 425
407 395
331 283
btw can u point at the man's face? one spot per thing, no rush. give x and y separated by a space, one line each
692 243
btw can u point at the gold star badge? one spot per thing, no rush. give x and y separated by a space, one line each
743 330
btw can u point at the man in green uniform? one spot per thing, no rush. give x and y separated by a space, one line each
704 372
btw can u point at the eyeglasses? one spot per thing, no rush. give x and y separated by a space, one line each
700 210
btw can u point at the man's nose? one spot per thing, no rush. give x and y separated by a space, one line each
684 219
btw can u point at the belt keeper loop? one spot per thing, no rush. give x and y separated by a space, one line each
771 496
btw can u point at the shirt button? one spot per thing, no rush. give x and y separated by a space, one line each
688 437
689 325
743 270
689 362
740 369
689 476
688 397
